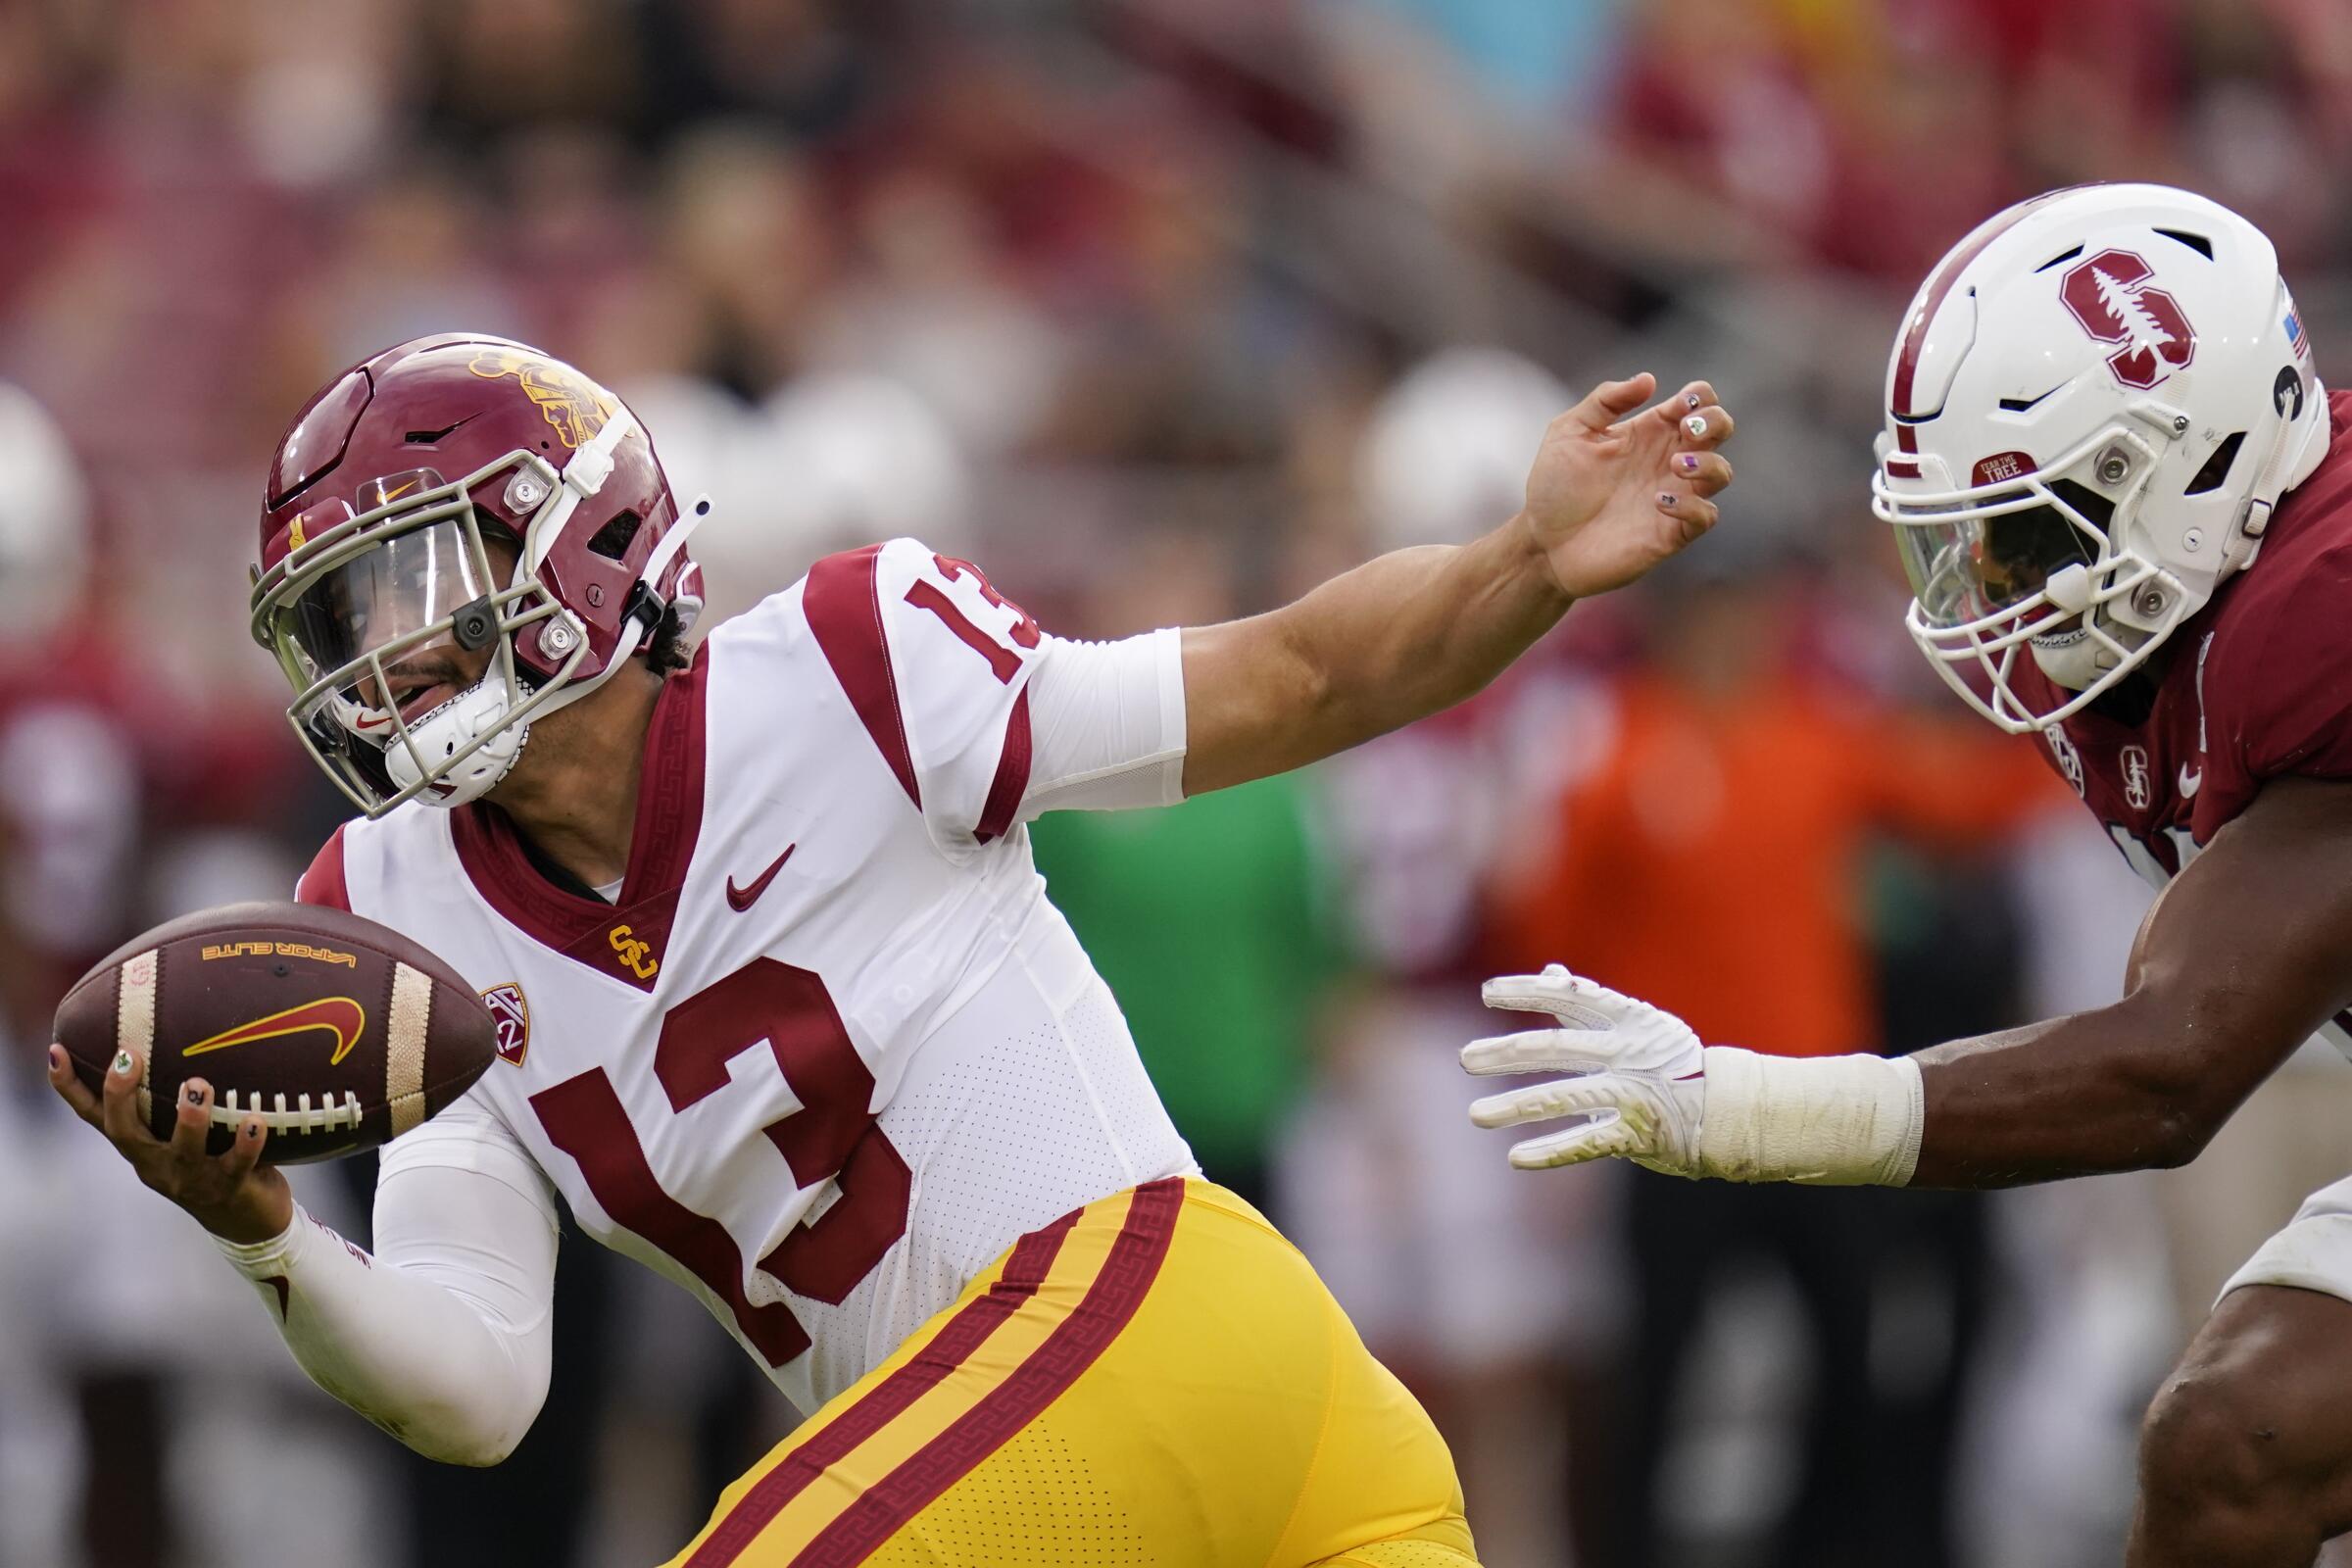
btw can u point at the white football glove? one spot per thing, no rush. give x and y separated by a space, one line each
1637 1083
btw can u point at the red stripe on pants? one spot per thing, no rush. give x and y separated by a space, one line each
964 1333
1109 1304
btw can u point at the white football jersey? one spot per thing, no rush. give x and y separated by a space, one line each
830 1049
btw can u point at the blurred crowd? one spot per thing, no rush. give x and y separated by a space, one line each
1163 309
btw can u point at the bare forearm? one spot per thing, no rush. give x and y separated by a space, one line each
1374 649
2084 1096
1416 631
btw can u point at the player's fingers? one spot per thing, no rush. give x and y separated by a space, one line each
1695 515
1569 998
69 1088
1536 1051
1562 1097
1705 472
1596 1140
191 1119
1704 427
1688 401
1612 401
237 1162
117 1101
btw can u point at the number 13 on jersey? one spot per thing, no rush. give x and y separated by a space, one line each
833 1137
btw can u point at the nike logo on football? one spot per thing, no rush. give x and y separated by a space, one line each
340 1016
2190 783
742 899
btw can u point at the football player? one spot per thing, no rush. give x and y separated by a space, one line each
784 1011
2124 502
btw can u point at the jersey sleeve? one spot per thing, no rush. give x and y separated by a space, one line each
1108 725
322 882
984 719
469 1136
444 1336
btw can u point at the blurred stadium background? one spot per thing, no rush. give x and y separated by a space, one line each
1163 309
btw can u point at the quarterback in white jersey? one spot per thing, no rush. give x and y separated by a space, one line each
814 879
784 1011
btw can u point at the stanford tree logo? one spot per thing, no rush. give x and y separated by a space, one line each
2108 295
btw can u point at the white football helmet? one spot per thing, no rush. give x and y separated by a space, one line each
2094 403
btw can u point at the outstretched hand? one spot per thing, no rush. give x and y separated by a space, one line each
1635 1084
1615 491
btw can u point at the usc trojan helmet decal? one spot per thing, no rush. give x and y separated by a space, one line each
576 407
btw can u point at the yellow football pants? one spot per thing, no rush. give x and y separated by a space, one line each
1158 1378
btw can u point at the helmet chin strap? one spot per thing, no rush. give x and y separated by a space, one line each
2076 659
479 709
2072 663
2069 658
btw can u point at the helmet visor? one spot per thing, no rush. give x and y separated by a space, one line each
1982 563
409 582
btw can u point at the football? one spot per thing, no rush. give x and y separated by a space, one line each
341 1033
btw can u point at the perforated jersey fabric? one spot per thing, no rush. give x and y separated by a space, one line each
1018 1108
1401 1554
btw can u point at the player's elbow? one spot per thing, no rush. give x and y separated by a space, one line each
479 1418
2175 1116
1308 690
2154 1100
2176 1137
475 1454
476 1439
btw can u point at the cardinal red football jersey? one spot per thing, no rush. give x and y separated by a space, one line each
2257 685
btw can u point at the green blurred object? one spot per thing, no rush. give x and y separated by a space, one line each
1213 922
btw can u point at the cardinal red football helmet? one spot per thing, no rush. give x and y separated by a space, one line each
374 528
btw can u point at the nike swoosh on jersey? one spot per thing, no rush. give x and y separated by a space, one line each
2190 783
742 899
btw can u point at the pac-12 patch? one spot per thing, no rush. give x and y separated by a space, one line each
512 1016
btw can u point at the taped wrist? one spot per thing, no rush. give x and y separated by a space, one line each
1823 1121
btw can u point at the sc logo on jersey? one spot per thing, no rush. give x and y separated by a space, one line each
636 956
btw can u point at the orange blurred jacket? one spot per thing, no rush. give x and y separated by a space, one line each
1708 863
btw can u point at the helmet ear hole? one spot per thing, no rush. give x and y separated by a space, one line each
611 541
2096 508
2217 467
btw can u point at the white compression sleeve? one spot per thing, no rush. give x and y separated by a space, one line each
442 1339
1824 1121
1109 724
